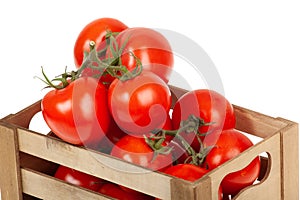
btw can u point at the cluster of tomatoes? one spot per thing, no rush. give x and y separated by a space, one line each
118 101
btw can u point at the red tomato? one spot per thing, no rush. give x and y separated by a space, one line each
150 46
95 31
78 114
113 135
188 172
141 104
209 106
115 191
78 178
229 145
136 150
168 123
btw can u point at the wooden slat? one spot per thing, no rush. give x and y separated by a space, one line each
10 182
290 163
23 117
47 187
96 164
256 123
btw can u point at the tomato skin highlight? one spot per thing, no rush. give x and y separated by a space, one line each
150 47
230 144
208 105
95 31
78 178
136 150
78 114
141 104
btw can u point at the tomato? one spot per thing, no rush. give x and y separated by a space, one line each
229 145
115 191
78 178
113 135
141 104
95 31
188 172
210 106
78 114
136 150
168 123
150 47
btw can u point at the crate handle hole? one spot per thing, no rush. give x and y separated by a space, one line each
265 167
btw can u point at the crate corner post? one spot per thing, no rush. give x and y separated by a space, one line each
290 163
10 179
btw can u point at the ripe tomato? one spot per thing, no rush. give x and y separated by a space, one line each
115 191
150 46
188 172
113 135
78 178
136 150
78 114
95 31
229 145
141 104
209 106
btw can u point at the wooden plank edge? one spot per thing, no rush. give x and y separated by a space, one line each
46 187
99 164
256 123
24 116
290 161
10 183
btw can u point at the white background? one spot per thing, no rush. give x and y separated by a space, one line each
255 45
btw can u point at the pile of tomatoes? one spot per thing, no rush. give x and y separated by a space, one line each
118 101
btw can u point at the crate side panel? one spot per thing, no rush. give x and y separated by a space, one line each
272 179
256 123
23 117
100 165
47 187
10 182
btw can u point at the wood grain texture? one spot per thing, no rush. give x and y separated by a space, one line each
10 181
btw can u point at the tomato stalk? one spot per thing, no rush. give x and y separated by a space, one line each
189 126
112 66
115 68
156 144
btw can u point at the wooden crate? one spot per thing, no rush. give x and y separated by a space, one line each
29 159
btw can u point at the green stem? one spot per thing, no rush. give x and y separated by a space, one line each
189 126
112 66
